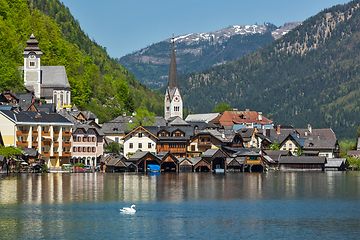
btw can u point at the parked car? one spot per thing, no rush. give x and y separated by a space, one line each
80 169
87 167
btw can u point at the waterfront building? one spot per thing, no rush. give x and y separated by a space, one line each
48 133
173 100
139 139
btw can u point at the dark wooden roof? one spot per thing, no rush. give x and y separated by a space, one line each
302 160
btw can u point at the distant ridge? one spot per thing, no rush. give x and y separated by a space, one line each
199 51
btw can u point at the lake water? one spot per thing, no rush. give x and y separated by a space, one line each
298 205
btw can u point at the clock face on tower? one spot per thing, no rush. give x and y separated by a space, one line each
167 99
176 98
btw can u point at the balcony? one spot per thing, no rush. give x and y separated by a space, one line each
66 154
45 153
56 133
35 132
55 153
22 143
34 143
66 133
66 144
177 150
22 132
45 133
56 143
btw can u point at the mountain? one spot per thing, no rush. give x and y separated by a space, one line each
311 75
98 83
198 51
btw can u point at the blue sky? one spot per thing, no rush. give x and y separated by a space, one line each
127 26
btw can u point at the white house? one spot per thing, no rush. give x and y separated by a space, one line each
139 139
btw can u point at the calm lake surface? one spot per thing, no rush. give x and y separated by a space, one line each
297 205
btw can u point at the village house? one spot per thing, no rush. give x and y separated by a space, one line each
49 134
139 139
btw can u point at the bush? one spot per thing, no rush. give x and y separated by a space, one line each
80 165
44 168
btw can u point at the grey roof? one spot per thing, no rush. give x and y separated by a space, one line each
187 130
204 117
215 133
31 152
335 162
86 127
177 121
245 152
139 154
194 160
114 127
35 117
25 97
320 144
275 154
115 161
54 77
353 153
122 119
246 133
302 160
209 153
160 121
162 154
45 107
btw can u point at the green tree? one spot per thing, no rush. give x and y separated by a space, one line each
142 118
10 151
222 107
274 146
113 147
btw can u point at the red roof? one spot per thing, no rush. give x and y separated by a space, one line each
229 118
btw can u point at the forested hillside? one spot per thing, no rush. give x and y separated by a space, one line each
98 83
310 75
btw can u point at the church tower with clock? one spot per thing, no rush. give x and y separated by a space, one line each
173 101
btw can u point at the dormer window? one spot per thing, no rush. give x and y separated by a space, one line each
115 129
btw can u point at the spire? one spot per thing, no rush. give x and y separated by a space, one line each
173 78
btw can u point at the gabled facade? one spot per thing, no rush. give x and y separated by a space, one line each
204 140
139 139
292 143
173 100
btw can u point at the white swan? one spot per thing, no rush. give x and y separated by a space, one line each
128 210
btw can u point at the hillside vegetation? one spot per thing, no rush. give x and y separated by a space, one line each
98 83
310 75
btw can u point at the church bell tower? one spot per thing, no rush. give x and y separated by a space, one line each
32 72
173 101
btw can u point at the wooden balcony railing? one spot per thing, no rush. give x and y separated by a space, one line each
45 153
22 143
35 132
56 153
22 132
56 133
66 133
66 154
34 143
45 133
66 144
56 143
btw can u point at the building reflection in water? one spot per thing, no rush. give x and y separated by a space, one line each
172 187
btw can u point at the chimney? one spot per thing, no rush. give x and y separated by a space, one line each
278 129
246 110
260 116
309 128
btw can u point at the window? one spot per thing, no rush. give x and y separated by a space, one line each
167 109
79 139
79 149
140 145
89 139
74 138
74 149
176 108
63 129
116 139
131 145
193 148
93 149
84 149
84 139
149 145
290 145
140 135
32 64
93 139
89 149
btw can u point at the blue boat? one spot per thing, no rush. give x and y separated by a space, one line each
153 168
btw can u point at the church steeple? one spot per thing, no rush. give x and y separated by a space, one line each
173 101
173 77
